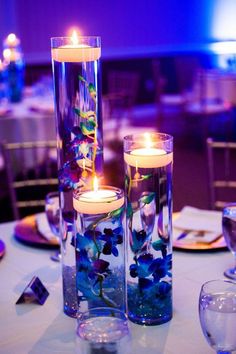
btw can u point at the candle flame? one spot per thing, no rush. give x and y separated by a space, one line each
74 38
95 184
148 141
11 38
7 53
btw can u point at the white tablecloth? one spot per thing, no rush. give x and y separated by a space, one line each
29 120
36 329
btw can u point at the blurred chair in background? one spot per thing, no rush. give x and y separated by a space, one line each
31 172
221 158
122 94
169 105
118 105
206 111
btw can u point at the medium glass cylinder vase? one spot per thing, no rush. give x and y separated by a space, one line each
77 88
148 167
100 249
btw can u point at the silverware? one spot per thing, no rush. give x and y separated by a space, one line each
185 233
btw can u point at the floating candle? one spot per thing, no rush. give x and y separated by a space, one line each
76 52
148 156
98 201
11 40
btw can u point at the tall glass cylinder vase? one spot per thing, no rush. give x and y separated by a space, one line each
148 167
77 88
100 249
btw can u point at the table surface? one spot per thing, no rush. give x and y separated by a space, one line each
32 328
32 118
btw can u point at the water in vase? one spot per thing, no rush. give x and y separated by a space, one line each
149 209
77 92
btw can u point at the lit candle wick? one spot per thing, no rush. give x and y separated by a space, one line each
74 38
148 142
95 184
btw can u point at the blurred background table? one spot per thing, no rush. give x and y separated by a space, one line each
36 329
30 119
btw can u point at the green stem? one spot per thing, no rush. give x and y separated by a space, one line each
106 301
95 223
95 242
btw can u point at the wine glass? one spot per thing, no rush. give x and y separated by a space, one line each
229 233
217 312
52 210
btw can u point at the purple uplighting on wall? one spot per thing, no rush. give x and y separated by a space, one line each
128 28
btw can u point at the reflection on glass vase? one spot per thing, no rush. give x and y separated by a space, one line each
77 89
148 166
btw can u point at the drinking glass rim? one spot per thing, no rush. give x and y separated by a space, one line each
229 206
222 280
51 196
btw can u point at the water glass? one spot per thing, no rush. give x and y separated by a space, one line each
52 210
217 312
229 233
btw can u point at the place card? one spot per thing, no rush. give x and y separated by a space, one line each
34 291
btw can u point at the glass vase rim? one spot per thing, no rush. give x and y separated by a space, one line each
95 310
137 136
69 37
215 281
119 191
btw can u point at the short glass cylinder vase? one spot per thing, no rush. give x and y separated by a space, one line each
77 91
100 249
148 168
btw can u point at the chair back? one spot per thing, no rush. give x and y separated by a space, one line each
31 172
122 92
221 158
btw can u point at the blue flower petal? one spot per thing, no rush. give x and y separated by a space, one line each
164 288
133 270
100 266
145 283
114 251
138 240
107 249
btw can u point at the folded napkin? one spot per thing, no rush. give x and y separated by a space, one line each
41 106
197 225
4 111
43 226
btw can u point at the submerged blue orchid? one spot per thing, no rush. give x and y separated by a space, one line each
138 240
100 266
89 242
112 238
93 270
89 248
69 176
150 271
160 267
